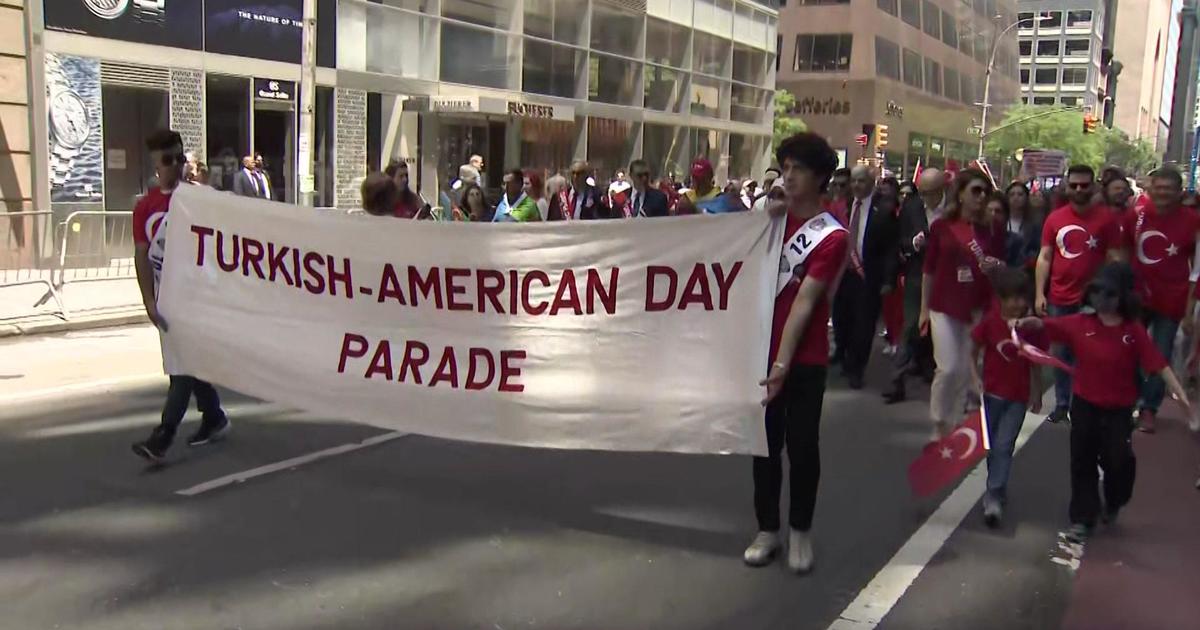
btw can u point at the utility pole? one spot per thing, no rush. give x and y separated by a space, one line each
1183 109
308 93
987 82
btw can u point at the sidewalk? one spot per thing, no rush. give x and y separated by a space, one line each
1144 572
88 305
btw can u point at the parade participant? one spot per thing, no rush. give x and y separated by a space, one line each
618 190
1024 227
1111 345
515 204
645 200
476 162
1117 194
536 191
815 255
704 196
769 177
893 302
580 201
149 237
475 207
408 204
379 195
963 248
1076 238
1006 384
1161 238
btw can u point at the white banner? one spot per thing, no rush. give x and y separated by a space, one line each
632 335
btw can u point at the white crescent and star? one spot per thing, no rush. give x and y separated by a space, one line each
1000 348
1061 241
972 441
1141 247
1127 340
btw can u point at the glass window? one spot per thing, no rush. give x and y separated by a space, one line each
747 104
744 151
933 77
706 143
966 37
887 59
913 69
814 2
1069 101
546 145
614 30
1043 100
228 127
666 43
1026 18
1052 19
665 88
1025 47
1046 76
710 54
614 80
550 69
910 12
950 85
1078 48
400 43
1079 19
559 20
749 65
889 6
966 90
609 146
823 53
1047 48
1024 76
663 147
706 96
491 56
1074 76
493 13
949 31
932 19
981 49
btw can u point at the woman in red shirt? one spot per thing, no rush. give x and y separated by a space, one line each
1110 345
963 247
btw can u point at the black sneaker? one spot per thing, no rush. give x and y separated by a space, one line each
1058 416
210 432
154 448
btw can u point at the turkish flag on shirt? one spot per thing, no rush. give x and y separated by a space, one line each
945 460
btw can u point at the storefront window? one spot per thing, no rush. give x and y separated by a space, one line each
547 146
666 43
747 104
711 54
323 130
614 80
744 152
616 30
550 69
937 153
559 20
707 143
665 88
476 57
609 146
130 116
227 113
706 97
664 147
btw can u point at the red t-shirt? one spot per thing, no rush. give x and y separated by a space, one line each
1078 247
825 263
1005 371
1106 357
952 253
1162 247
150 227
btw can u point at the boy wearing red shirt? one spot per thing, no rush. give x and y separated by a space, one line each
1161 237
1076 239
149 238
815 253
1006 384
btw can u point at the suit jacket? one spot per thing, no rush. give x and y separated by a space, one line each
593 208
655 204
912 222
1023 248
243 186
880 257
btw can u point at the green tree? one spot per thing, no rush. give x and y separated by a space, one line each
1137 157
786 124
1064 131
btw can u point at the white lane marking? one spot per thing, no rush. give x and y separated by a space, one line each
88 387
878 598
294 462
144 419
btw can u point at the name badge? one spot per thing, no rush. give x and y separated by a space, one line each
965 275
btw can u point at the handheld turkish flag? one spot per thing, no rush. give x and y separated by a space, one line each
945 460
1039 356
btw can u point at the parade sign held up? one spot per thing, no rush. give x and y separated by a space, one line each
630 335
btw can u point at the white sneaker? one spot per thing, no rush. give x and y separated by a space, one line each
800 551
763 550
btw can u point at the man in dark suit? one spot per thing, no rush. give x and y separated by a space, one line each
580 201
870 273
916 351
245 184
644 200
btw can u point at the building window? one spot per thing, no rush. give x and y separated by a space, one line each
888 6
1079 19
966 37
933 77
1069 101
555 19
1026 19
491 13
710 54
614 80
1025 100
913 69
493 61
1078 48
1043 100
1051 19
550 69
665 88
910 12
1074 76
823 53
1047 48
981 50
887 59
615 30
966 90
804 2
949 32
749 65
1046 76
1025 47
1024 76
950 85
932 19
666 43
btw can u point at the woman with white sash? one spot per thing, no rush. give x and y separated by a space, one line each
814 257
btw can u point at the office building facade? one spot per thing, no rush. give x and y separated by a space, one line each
1060 54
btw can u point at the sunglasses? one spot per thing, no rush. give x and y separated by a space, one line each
1079 186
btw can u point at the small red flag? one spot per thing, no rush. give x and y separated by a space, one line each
1039 356
945 460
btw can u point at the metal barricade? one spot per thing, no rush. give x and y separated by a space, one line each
27 259
95 246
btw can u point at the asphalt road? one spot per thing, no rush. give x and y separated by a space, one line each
425 534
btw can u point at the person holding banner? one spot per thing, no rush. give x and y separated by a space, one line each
1006 384
379 195
1111 344
149 238
644 200
814 257
963 248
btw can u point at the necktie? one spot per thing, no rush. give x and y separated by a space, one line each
254 183
637 204
855 221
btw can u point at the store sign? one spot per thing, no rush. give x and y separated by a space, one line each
530 110
813 106
274 90
267 29
454 104
894 110
73 106
468 104
177 24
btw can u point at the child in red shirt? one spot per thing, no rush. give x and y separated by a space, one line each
1006 384
1110 344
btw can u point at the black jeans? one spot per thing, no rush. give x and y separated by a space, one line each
856 308
794 419
179 396
916 351
1100 435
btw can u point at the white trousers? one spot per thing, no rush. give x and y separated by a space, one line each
952 352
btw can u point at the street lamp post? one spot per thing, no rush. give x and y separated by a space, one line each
987 82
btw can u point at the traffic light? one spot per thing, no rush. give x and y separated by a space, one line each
881 137
1089 123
